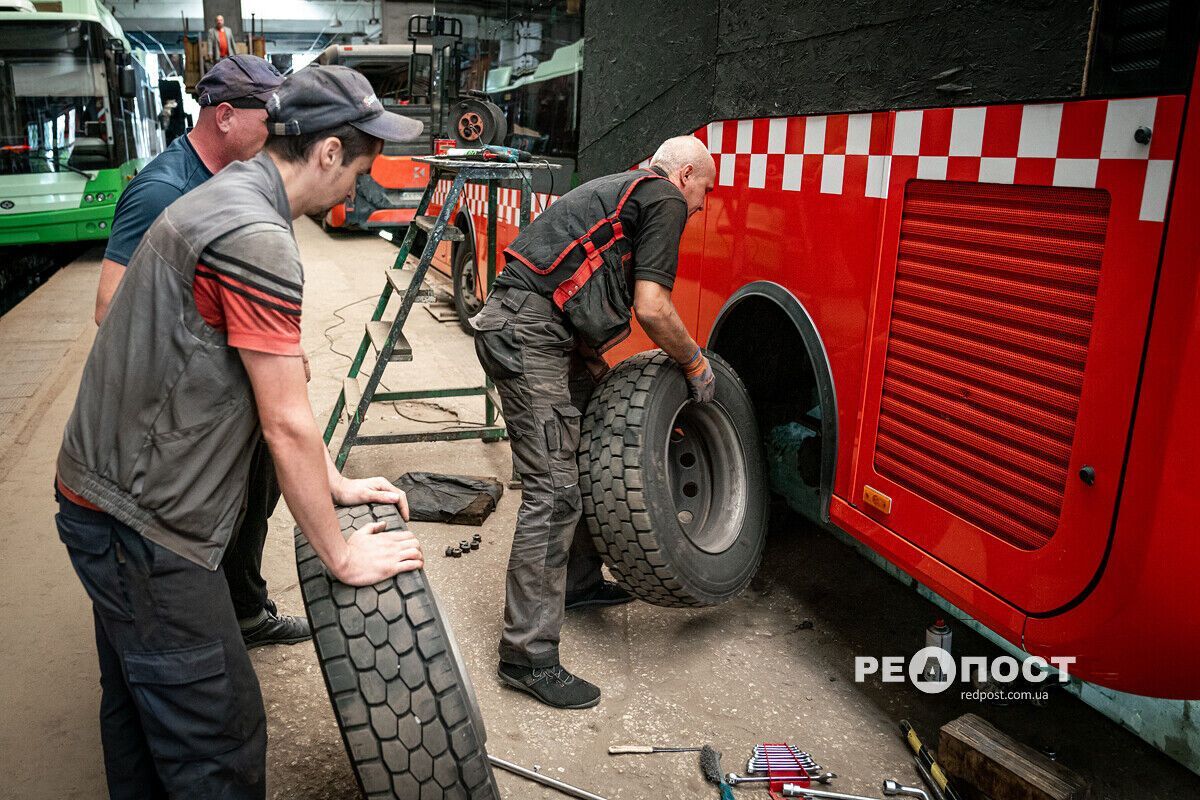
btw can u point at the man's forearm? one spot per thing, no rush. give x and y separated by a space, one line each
110 278
305 472
666 329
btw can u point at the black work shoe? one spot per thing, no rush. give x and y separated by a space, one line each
554 686
604 593
276 628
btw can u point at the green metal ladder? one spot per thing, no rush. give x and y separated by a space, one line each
386 337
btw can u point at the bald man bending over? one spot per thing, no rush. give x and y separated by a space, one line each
570 282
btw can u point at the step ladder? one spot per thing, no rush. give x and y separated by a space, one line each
386 336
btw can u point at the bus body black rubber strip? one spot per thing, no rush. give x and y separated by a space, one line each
642 442
402 699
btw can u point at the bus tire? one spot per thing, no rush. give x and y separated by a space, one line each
675 493
464 272
401 696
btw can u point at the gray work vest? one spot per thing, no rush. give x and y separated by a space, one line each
165 423
578 253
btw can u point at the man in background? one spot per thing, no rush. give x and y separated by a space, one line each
232 127
220 41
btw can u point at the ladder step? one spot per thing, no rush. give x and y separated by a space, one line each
378 332
450 234
401 280
352 391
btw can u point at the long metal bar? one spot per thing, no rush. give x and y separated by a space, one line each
537 777
492 433
489 408
424 394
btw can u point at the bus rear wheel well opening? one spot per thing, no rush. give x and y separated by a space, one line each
761 337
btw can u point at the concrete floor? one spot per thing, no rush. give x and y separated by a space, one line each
776 664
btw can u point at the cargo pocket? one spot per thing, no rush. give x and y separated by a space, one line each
92 548
496 346
562 440
188 703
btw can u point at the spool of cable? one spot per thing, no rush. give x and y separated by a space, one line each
479 122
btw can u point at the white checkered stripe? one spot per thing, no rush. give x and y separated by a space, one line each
508 202
1087 143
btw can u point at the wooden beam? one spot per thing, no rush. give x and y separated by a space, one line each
986 762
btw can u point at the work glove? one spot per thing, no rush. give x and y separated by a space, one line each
700 378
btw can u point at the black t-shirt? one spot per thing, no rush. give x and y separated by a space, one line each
653 218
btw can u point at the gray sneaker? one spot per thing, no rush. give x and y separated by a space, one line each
276 628
553 685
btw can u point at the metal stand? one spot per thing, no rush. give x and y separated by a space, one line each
386 337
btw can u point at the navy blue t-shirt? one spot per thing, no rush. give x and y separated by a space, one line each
171 174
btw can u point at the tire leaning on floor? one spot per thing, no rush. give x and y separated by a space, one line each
402 699
674 492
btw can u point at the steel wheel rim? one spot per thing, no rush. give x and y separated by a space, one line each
706 472
467 286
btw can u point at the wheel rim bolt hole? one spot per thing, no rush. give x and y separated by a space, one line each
690 489
687 460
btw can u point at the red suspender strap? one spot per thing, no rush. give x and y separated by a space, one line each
592 261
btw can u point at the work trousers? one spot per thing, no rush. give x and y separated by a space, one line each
525 348
242 563
181 714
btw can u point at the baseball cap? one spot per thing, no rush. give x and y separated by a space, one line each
237 78
318 98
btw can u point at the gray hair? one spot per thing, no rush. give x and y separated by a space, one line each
679 151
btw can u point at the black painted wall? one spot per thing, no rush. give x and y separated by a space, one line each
659 68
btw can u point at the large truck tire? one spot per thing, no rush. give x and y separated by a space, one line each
402 699
464 273
674 492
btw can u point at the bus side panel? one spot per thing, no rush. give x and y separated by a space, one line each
1147 590
798 203
1011 306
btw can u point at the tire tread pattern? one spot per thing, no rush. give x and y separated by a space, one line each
611 480
402 705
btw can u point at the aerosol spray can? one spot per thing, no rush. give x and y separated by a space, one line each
937 635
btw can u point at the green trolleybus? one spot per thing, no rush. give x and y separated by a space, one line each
78 118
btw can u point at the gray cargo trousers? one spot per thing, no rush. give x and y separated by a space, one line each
544 387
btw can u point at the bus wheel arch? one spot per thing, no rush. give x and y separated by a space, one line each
760 331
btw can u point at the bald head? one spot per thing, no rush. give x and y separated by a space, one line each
680 151
687 164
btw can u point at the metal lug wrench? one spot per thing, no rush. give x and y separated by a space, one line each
893 788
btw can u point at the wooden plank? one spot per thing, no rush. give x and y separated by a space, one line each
352 391
986 762
401 281
378 332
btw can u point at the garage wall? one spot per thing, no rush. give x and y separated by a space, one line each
674 66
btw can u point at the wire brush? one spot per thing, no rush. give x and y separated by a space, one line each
710 765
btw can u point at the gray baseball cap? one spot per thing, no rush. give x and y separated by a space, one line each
236 78
318 98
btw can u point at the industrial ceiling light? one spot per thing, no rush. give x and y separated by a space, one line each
336 22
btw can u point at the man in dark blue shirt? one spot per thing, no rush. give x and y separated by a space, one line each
232 127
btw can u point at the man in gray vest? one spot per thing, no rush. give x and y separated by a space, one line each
198 356
233 99
570 282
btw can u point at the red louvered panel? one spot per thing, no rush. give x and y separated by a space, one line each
991 319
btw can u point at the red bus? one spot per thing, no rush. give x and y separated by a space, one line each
970 327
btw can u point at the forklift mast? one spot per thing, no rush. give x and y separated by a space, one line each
444 35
